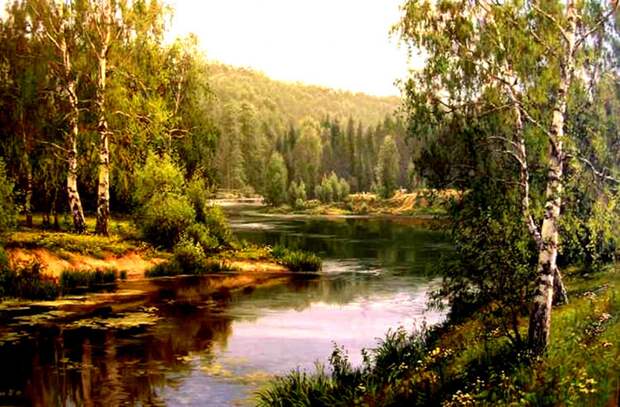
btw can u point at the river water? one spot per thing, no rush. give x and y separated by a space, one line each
170 343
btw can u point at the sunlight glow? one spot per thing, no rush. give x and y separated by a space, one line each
342 44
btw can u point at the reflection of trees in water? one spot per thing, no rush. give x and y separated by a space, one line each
390 242
300 293
83 366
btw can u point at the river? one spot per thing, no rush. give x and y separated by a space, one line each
171 344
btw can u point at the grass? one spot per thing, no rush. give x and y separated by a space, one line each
176 268
296 260
464 364
28 282
73 279
123 238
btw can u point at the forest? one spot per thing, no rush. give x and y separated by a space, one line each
122 148
89 110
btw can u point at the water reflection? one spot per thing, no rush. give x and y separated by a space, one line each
180 341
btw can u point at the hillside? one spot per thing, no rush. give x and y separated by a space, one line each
294 101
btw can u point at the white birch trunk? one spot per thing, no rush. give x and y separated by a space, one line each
540 315
103 186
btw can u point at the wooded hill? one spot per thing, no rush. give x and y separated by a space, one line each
288 102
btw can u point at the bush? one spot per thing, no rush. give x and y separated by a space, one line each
332 189
8 210
297 260
297 194
384 367
199 234
189 256
188 259
218 226
159 175
164 219
493 265
198 193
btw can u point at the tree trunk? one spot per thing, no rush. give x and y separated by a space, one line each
540 315
28 196
75 203
103 187
28 169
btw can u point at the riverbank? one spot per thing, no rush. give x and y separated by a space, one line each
423 203
461 364
59 261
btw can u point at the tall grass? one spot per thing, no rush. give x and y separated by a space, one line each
73 279
27 282
296 260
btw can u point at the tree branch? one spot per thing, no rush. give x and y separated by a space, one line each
597 25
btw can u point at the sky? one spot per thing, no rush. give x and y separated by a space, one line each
341 44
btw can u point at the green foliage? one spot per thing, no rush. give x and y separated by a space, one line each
189 258
157 177
200 235
276 180
382 367
297 260
74 279
332 189
218 226
198 192
492 269
589 224
387 168
8 210
297 194
164 219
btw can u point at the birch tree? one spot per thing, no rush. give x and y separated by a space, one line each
519 57
101 32
57 25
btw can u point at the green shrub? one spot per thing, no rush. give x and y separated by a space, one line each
165 218
332 189
198 192
297 194
296 260
189 256
187 261
384 367
200 234
8 210
158 175
218 226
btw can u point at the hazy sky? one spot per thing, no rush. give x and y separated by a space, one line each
337 43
